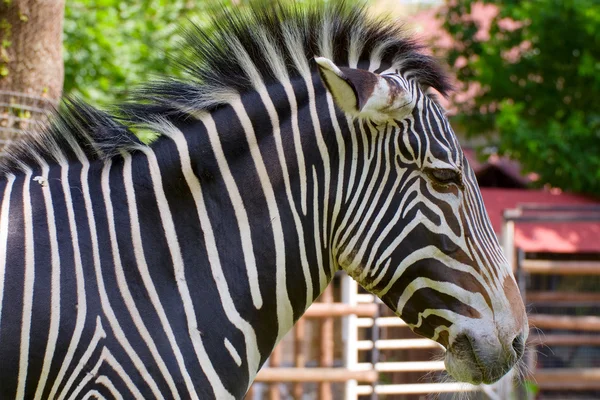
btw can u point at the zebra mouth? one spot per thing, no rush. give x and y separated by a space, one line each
461 362
466 362
463 369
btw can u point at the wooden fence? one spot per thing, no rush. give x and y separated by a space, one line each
561 330
551 330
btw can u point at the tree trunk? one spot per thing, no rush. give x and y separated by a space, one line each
31 47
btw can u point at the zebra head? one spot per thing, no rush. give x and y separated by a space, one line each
418 235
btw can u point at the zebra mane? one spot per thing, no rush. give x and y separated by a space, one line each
76 130
240 50
269 42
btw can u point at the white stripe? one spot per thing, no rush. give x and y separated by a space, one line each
119 334
79 277
110 360
233 352
27 287
354 162
454 202
55 285
273 55
339 190
238 208
142 266
472 299
179 270
407 133
291 95
107 357
255 77
245 62
349 211
284 306
473 219
4 218
382 236
458 320
428 252
372 225
252 353
94 393
439 130
124 288
264 95
83 361
107 383
319 254
380 273
324 152
357 208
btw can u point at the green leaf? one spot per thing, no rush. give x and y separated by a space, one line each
531 387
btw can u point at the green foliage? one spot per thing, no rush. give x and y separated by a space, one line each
111 45
531 388
6 34
539 77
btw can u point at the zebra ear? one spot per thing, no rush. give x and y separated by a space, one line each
363 93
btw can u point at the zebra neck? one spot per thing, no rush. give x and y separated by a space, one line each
246 242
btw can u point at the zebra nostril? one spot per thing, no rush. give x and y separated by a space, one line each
518 345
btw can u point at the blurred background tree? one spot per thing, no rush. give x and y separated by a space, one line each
31 64
112 45
537 78
30 47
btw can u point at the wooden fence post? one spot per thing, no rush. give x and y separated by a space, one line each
299 359
326 356
274 361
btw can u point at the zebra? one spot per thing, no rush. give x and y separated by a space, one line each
302 140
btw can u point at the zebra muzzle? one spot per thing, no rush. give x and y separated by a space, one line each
482 358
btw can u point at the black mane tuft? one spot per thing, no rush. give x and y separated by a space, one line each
77 126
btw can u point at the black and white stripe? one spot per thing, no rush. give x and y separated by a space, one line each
172 270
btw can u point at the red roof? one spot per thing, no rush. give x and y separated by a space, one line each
556 237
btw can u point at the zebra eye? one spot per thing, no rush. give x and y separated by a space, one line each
445 176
